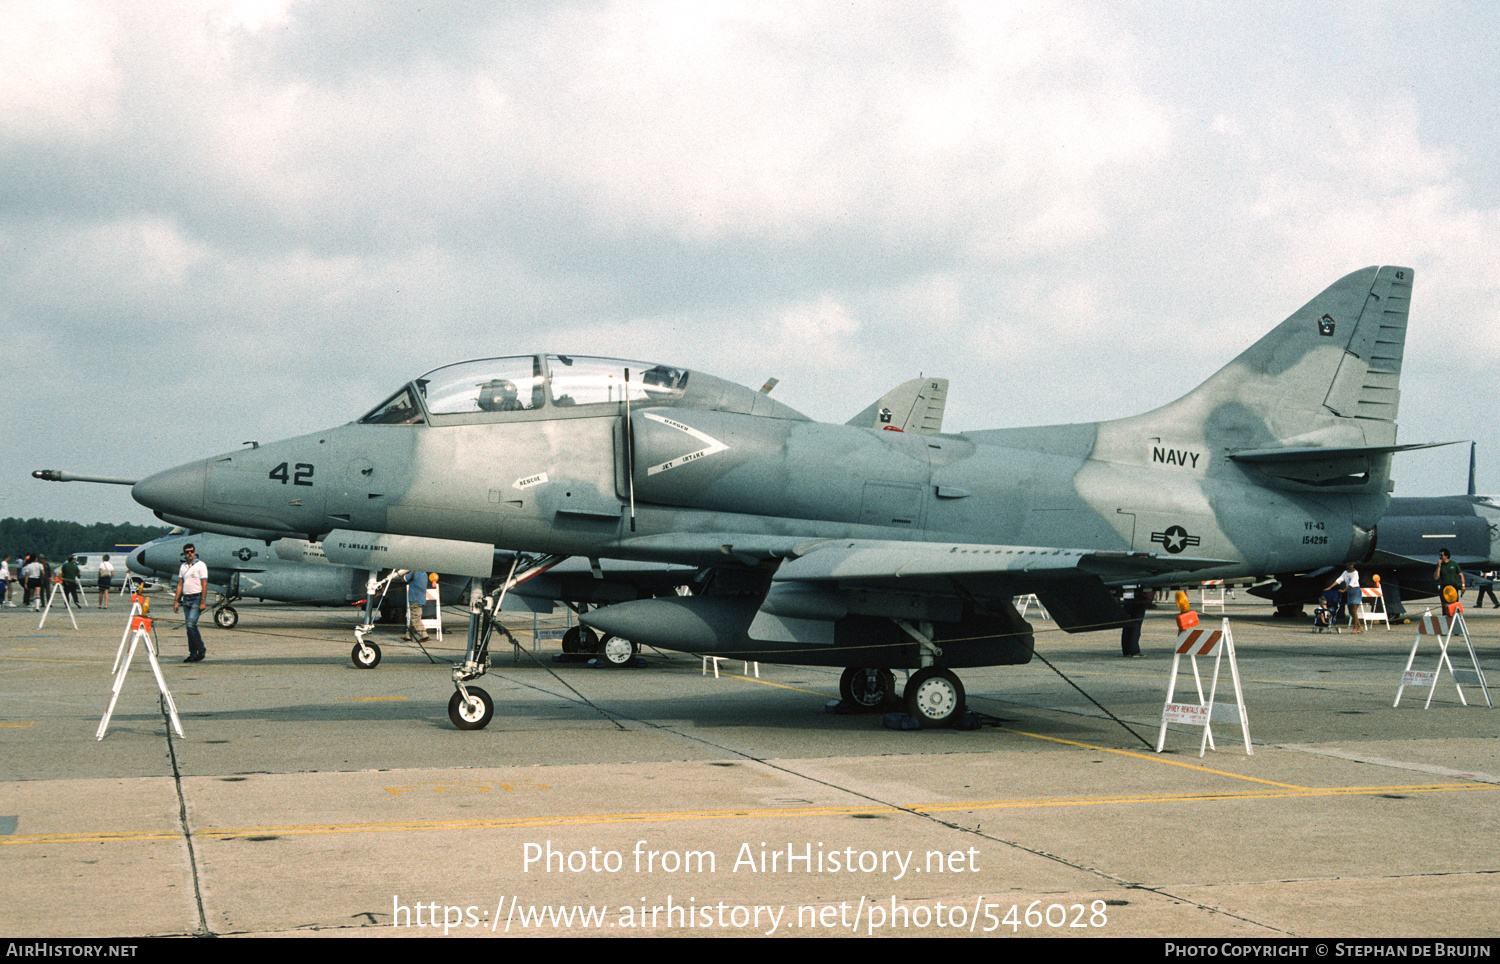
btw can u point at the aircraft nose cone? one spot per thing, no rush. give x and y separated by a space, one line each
136 563
176 491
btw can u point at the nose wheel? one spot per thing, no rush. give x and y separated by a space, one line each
365 655
934 697
226 618
473 713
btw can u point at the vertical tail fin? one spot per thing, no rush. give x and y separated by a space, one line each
1327 376
914 406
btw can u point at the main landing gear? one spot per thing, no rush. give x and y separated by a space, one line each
934 697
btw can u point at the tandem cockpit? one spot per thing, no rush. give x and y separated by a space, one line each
526 387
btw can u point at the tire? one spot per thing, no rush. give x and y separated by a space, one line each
226 618
934 697
614 651
361 660
473 715
580 639
868 689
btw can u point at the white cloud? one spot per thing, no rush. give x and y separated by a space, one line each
59 70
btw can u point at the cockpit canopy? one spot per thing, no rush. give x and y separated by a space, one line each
561 385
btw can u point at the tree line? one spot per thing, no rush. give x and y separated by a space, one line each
56 539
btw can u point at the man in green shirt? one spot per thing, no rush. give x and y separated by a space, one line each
1448 574
69 573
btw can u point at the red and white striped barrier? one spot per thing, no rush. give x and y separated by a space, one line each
1373 610
1199 642
1442 626
1193 641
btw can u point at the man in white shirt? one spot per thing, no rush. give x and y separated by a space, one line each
35 576
192 587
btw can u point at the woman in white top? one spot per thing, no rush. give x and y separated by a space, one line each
1352 598
106 581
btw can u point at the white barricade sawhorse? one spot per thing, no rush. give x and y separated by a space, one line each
137 606
140 628
1372 609
1443 626
435 624
714 661
1027 600
57 588
1215 586
1193 642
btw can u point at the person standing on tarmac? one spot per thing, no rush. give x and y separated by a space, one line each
106 581
1135 600
1485 584
34 574
416 601
1448 573
192 589
1352 598
71 589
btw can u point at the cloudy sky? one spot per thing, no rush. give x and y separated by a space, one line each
223 221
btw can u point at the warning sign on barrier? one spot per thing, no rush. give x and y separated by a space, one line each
1441 626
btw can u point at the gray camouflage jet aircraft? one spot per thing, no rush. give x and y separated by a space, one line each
845 545
290 570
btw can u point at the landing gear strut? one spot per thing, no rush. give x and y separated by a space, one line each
471 708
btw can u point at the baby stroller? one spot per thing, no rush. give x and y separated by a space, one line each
1323 615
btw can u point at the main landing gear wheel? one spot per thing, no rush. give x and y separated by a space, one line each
867 688
580 639
365 655
617 652
225 617
474 713
934 697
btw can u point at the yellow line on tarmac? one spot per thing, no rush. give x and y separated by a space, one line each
602 819
1155 758
780 686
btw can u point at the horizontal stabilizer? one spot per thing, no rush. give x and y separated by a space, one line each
1345 468
1312 452
1381 559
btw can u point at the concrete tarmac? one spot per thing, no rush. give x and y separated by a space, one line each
308 797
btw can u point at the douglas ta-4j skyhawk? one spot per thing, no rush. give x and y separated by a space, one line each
841 545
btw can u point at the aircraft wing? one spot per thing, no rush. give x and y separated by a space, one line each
1071 583
915 565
